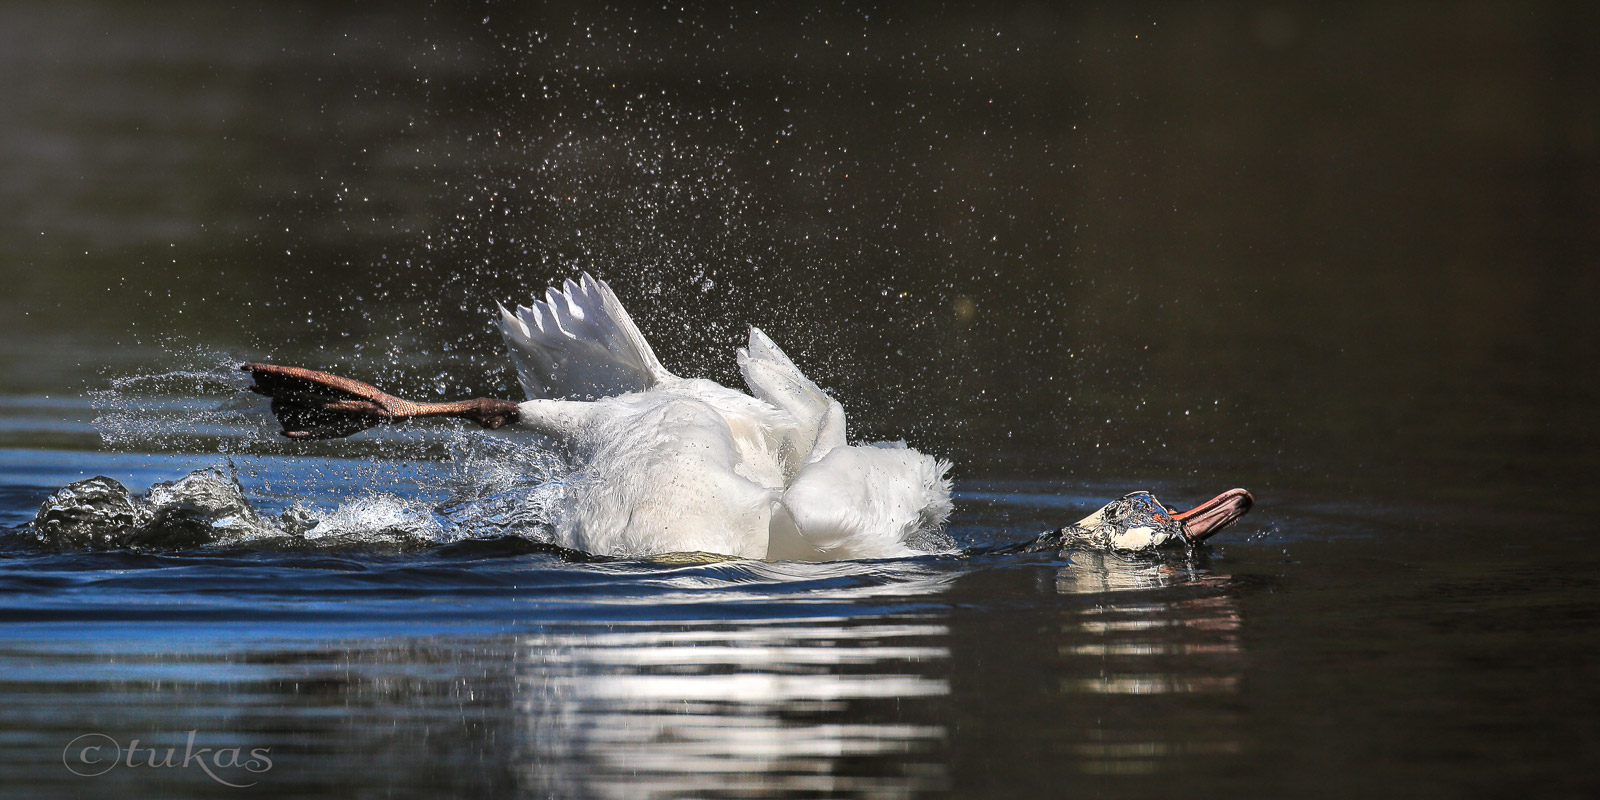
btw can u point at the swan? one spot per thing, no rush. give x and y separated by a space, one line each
662 464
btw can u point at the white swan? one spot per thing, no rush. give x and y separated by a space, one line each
663 464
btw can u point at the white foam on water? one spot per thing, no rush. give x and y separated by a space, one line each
377 518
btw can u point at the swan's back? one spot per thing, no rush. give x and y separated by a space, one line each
861 502
663 472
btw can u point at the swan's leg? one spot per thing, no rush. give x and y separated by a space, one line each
559 419
315 405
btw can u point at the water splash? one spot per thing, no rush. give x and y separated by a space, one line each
205 507
203 398
505 486
375 519
490 485
518 496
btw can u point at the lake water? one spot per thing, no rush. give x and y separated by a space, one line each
1342 257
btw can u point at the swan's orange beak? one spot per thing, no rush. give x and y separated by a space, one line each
1215 514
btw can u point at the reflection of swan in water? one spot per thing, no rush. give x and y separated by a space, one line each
832 703
721 680
1152 639
752 710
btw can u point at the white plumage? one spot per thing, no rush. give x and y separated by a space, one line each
663 464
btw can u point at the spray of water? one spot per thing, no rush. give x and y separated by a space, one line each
391 489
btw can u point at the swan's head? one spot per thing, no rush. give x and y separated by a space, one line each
1139 521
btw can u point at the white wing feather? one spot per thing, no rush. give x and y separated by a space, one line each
579 343
771 376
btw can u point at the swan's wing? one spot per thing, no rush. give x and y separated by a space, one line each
579 343
860 502
771 376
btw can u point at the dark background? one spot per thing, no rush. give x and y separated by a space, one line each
1345 248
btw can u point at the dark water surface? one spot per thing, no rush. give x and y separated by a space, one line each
1342 255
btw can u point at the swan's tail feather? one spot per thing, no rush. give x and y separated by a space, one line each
579 343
